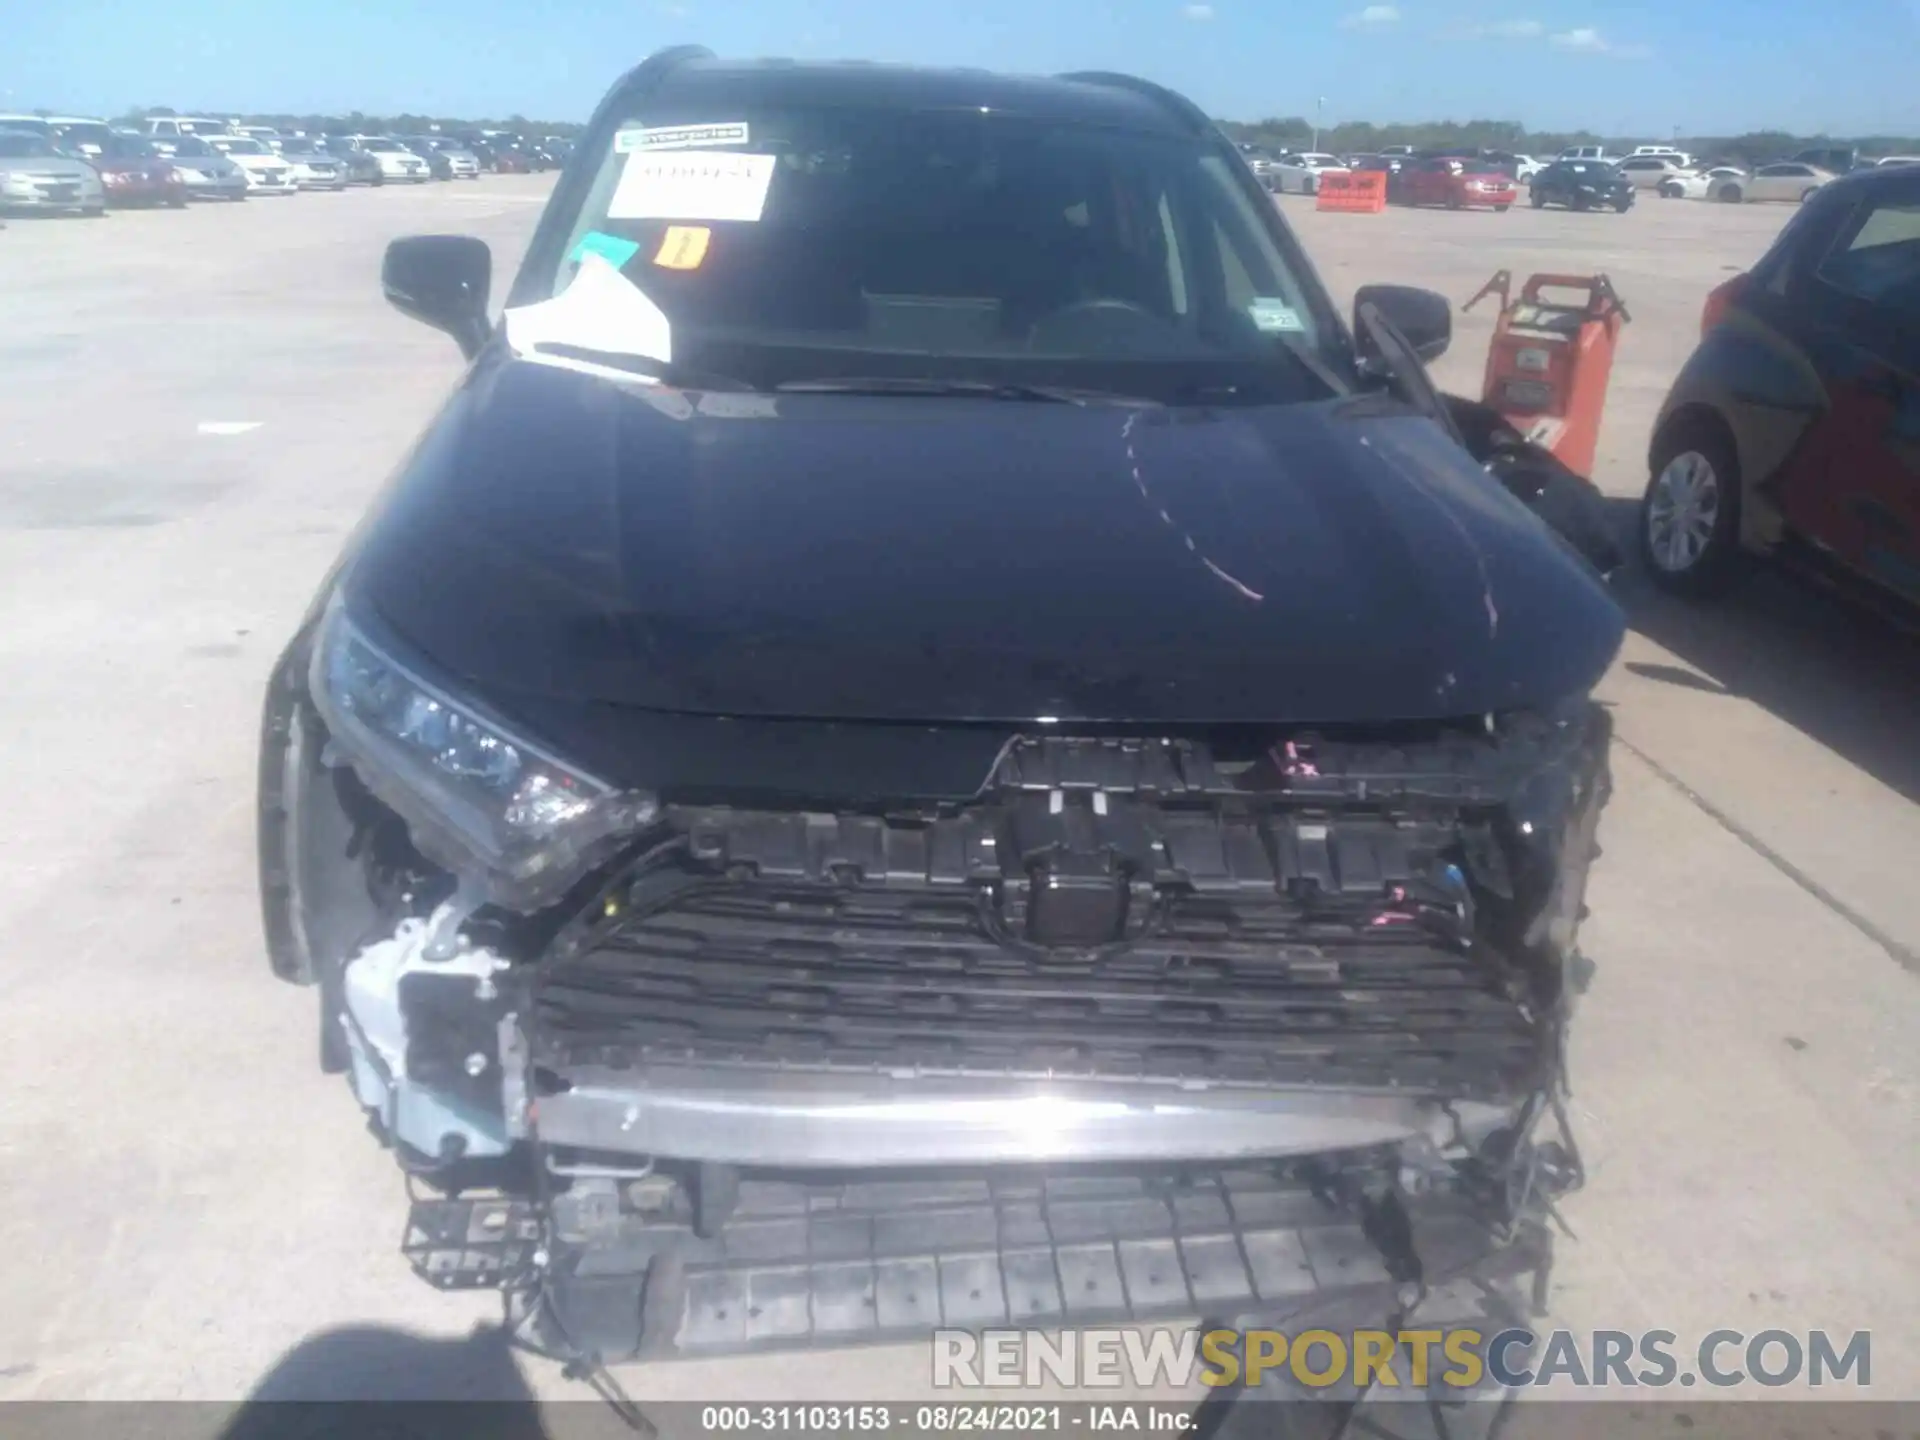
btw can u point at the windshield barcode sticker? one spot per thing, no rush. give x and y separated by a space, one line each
691 185
1271 315
680 137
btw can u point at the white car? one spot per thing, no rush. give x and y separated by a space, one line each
1525 167
1704 184
267 173
1651 172
1788 180
396 162
265 134
1301 174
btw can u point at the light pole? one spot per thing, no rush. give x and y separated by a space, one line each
1319 114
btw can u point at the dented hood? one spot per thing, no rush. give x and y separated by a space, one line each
913 558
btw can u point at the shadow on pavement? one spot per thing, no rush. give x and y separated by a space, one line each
375 1383
1839 675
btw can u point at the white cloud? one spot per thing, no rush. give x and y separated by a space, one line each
1584 38
1374 17
1197 12
1514 29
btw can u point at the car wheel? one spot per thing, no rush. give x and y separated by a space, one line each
1310 186
378 179
1689 530
1538 199
1579 201
178 202
1623 206
1730 195
1501 209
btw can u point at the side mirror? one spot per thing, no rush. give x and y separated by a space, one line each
442 280
1423 317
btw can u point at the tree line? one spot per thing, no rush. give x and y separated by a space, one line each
1360 137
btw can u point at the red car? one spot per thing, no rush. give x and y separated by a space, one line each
132 172
1456 183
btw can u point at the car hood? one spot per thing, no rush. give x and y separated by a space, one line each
258 162
559 535
60 165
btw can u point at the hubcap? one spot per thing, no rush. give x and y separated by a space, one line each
1682 512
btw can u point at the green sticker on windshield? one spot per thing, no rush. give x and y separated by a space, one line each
1273 315
610 248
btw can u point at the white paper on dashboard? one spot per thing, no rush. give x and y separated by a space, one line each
692 185
600 310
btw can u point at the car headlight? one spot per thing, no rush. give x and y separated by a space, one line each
473 791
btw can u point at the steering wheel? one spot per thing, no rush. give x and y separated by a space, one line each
1104 306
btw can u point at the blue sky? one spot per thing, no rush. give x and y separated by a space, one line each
1619 66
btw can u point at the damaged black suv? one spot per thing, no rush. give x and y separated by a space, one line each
930 738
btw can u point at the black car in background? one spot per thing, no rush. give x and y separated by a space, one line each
1023 718
1793 432
1582 185
1389 165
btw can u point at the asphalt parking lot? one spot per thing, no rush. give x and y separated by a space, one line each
194 410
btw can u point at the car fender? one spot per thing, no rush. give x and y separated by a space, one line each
1765 394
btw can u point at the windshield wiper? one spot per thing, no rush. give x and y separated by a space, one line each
666 371
976 389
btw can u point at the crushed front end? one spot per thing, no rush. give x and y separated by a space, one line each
1216 1022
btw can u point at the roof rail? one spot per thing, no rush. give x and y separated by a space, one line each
1195 118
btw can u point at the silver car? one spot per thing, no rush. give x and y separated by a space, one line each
36 177
207 174
462 161
314 169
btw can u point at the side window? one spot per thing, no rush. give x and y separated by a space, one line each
1877 260
1233 273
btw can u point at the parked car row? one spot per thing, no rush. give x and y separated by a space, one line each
74 164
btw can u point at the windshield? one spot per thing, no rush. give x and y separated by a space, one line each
19 145
126 147
384 147
85 132
955 245
191 148
241 147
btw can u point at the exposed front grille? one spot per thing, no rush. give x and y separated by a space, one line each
1319 914
1245 989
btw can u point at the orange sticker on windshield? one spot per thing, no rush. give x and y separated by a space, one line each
684 247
